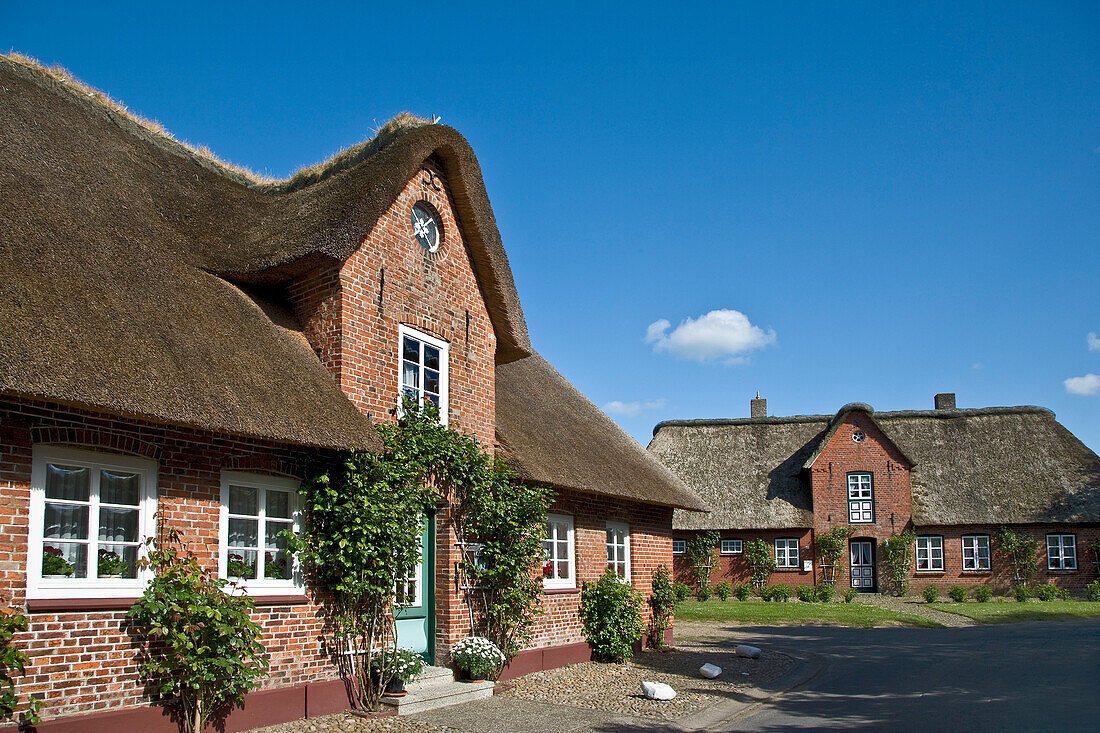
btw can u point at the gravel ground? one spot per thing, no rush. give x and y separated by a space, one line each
611 688
916 606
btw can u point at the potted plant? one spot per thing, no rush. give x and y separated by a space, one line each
54 564
111 565
273 568
236 567
478 658
402 665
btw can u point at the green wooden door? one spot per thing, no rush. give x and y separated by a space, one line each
416 623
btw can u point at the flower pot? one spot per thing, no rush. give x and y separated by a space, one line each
56 576
395 688
113 576
467 677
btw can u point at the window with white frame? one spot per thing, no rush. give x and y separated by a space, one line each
1061 552
731 547
679 547
786 553
975 552
558 567
255 510
618 548
424 369
930 553
90 515
861 498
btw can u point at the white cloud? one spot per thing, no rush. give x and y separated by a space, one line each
1093 341
632 409
724 334
1086 385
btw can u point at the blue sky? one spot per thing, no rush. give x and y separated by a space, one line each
874 203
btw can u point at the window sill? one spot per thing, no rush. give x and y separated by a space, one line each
41 605
560 591
1063 571
929 572
797 569
285 600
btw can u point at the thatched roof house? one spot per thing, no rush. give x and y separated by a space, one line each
1014 465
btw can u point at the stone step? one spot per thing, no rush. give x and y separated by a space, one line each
430 677
438 696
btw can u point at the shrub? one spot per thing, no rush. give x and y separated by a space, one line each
807 594
1021 592
702 593
743 591
781 592
930 593
850 595
723 590
759 556
1092 591
202 647
1047 592
765 592
983 594
825 593
957 593
13 662
611 616
681 591
481 657
662 604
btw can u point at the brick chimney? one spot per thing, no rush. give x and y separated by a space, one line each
758 406
945 401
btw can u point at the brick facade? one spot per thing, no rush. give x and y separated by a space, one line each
735 568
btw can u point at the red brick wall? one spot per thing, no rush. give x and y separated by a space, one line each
736 569
82 661
650 547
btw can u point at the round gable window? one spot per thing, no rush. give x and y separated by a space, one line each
427 226
858 436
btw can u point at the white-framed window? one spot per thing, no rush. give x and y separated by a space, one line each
786 553
422 365
975 552
679 547
929 553
90 515
255 508
861 498
618 548
1061 552
558 566
731 547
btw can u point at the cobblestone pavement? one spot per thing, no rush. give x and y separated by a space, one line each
915 605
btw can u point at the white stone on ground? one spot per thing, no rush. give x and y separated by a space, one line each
658 691
710 671
744 650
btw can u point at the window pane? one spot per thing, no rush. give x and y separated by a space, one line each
117 560
563 569
431 357
620 553
67 482
242 564
243 532
243 500
272 540
410 375
66 522
118 525
431 381
276 566
610 536
411 350
119 488
433 398
278 504
64 560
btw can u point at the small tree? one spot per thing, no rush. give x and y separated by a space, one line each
760 558
700 553
13 662
830 548
1022 550
202 647
662 604
899 559
611 615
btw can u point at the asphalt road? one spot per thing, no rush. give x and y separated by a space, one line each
1008 677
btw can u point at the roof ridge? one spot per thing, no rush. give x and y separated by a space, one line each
60 80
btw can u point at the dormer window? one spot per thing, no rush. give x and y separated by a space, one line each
424 369
861 498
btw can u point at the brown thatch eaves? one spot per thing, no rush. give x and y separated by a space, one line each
1011 465
128 262
552 434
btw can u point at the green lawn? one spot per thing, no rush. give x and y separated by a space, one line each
1001 612
795 614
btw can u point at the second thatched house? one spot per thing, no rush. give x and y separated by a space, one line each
954 476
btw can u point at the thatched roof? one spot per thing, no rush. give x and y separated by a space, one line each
550 433
133 265
1011 465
